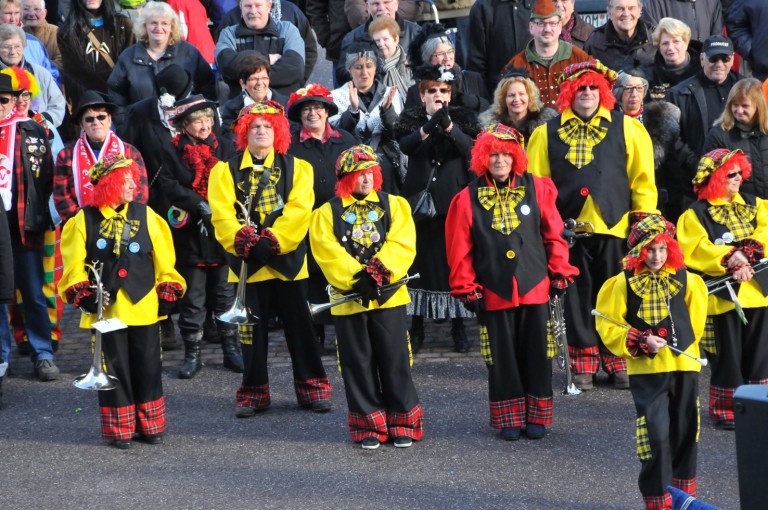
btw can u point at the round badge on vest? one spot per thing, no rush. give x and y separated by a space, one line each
134 247
727 237
525 209
101 243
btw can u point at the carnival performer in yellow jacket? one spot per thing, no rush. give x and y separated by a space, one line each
661 304
724 235
134 246
364 241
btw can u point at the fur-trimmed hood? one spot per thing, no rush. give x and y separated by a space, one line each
412 119
531 122
662 121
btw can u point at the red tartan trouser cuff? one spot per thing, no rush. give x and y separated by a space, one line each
120 423
658 502
584 360
312 390
721 403
256 397
688 485
383 425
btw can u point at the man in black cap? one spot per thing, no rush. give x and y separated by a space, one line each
26 181
701 99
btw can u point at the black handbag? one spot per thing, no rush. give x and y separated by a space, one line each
422 205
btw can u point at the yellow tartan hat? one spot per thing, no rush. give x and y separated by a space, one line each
710 162
107 165
355 159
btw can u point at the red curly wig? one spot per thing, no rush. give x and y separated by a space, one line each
714 187
346 185
674 255
569 87
280 127
109 188
488 144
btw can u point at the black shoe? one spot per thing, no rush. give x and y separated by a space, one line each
416 333
370 443
192 355
460 340
244 411
121 444
535 431
403 442
151 438
725 425
320 406
230 347
510 433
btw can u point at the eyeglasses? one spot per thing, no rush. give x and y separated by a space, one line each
734 174
720 58
441 55
11 47
32 9
5 100
548 24
312 108
92 118
435 90
640 89
258 79
24 95
587 87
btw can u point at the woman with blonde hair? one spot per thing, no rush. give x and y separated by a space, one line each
517 103
385 33
744 125
159 44
677 56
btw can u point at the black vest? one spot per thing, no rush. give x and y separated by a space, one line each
134 270
715 232
343 232
605 178
678 311
288 264
497 257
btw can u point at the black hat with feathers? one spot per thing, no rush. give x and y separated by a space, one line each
428 31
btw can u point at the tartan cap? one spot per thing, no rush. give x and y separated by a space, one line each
107 165
573 71
504 132
645 231
355 159
267 107
710 162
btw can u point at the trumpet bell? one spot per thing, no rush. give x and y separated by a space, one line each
96 379
238 314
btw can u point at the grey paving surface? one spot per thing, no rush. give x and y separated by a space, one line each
51 455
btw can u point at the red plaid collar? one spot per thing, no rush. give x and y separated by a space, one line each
304 134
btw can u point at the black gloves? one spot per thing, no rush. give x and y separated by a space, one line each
445 118
262 251
474 302
165 307
431 123
87 303
366 286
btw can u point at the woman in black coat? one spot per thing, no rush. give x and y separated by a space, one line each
744 125
437 138
199 257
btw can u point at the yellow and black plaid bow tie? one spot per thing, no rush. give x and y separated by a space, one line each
737 217
505 218
655 292
581 138
269 200
112 228
362 216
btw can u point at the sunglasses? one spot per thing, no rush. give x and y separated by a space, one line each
733 174
719 58
587 87
435 90
100 117
5 100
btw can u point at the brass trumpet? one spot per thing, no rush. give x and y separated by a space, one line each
573 230
337 298
238 313
97 378
557 323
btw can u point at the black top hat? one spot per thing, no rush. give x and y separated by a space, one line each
189 105
91 99
175 81
6 84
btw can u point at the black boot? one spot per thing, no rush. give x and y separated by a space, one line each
192 359
417 333
233 360
168 335
210 329
460 340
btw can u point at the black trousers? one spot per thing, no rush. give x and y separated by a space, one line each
742 350
205 284
667 406
375 362
289 299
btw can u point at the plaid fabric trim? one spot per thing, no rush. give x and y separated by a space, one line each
737 217
118 422
538 410
654 291
551 349
643 443
485 346
72 292
505 218
611 363
312 390
708 338
710 162
688 485
410 424
698 418
584 360
753 249
757 381
658 502
581 138
355 159
360 216
112 228
246 334
269 200
364 425
507 413
721 403
245 239
151 416
256 397
170 291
